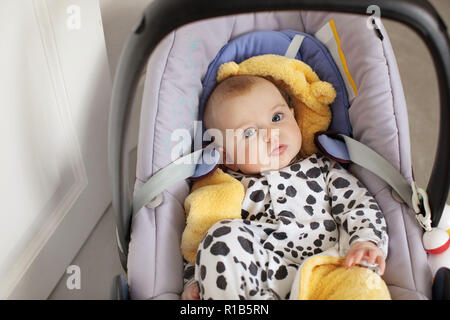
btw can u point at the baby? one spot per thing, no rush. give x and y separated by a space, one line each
293 208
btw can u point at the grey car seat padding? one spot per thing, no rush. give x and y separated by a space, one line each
173 85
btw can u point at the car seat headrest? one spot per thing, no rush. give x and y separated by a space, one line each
312 52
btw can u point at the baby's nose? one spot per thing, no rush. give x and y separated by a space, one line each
271 135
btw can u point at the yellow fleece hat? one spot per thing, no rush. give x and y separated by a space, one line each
309 95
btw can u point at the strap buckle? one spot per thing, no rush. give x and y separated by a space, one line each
156 201
421 204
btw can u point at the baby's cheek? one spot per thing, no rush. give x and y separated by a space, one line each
295 133
251 153
244 153
247 160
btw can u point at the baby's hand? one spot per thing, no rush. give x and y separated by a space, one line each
191 292
368 251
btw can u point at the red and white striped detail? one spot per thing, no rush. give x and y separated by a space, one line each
436 241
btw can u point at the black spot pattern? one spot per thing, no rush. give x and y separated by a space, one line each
313 172
314 225
348 194
282 200
207 241
301 175
281 273
246 244
285 175
287 214
340 183
220 267
221 231
253 269
291 192
220 249
221 282
337 209
203 272
310 200
280 235
314 186
257 196
309 210
273 221
329 225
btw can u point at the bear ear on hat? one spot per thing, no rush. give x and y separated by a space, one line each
323 91
227 70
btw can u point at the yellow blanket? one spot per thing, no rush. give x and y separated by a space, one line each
214 198
326 278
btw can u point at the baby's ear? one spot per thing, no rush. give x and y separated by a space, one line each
222 153
292 110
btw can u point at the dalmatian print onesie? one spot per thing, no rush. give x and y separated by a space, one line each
288 215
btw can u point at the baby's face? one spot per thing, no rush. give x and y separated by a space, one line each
264 135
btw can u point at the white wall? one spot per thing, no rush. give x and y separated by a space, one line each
55 87
98 259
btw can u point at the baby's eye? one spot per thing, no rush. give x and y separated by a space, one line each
277 117
249 132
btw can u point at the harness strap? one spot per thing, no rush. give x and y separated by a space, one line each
294 46
151 193
347 150
372 161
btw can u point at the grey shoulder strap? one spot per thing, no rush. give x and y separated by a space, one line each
372 161
294 46
408 192
150 194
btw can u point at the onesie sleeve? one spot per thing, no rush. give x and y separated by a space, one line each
353 207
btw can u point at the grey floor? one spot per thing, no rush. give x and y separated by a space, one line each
98 260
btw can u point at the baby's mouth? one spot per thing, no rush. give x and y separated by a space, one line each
278 150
